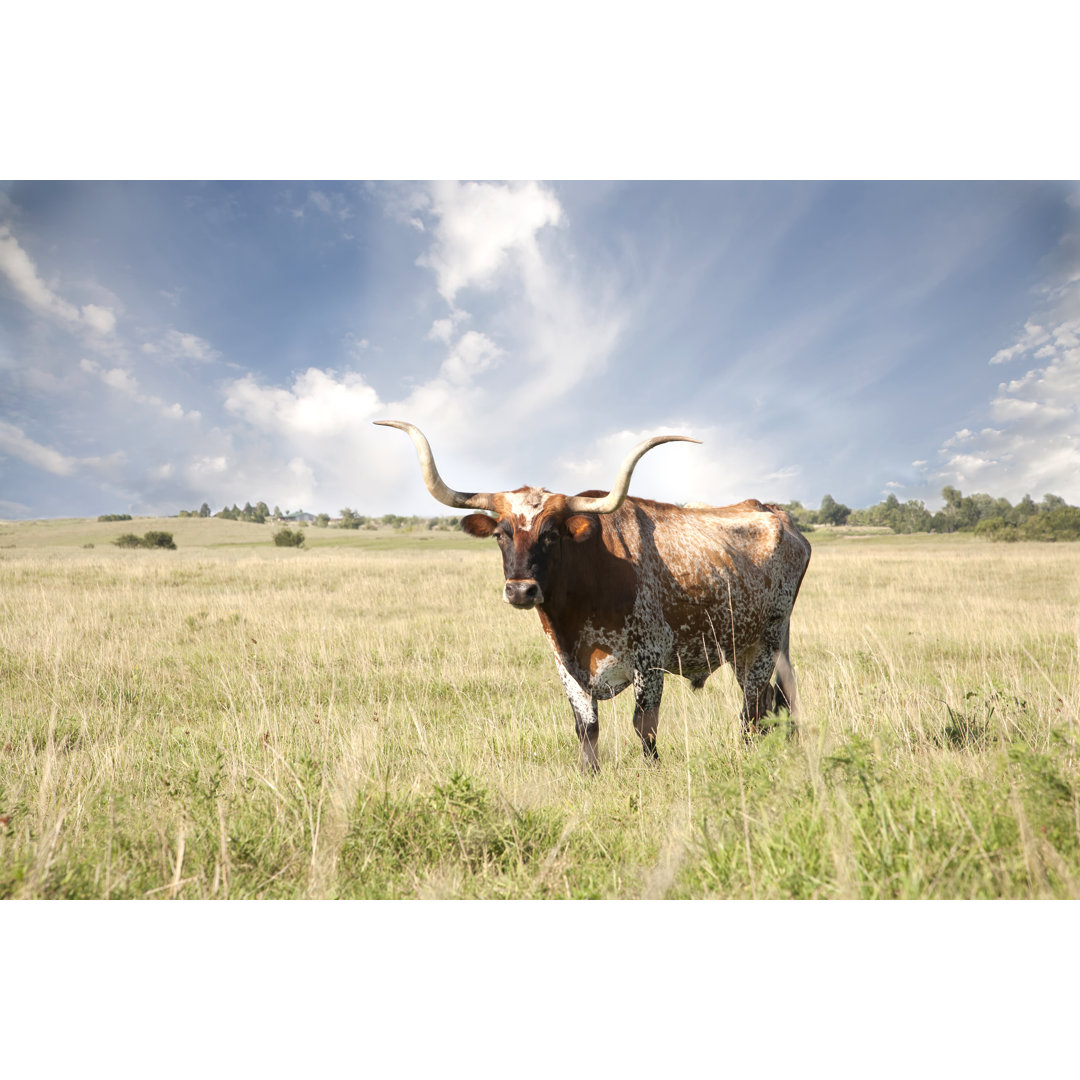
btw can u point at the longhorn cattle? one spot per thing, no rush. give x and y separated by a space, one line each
628 589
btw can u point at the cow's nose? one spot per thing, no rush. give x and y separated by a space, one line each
523 593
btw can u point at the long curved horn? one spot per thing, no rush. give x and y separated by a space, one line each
610 502
447 495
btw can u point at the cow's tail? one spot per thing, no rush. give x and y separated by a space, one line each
785 675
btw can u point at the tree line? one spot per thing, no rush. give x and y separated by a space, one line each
997 519
348 518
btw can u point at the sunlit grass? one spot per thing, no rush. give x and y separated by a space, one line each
368 720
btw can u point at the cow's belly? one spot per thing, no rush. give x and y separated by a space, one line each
707 636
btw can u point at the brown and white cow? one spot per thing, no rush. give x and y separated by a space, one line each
628 589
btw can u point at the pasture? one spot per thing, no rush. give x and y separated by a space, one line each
365 718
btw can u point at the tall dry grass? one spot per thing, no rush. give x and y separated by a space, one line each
344 721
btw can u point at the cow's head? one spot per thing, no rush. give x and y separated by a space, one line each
535 528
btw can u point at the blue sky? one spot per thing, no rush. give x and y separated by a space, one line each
162 344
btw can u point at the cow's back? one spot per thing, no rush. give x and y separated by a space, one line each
721 574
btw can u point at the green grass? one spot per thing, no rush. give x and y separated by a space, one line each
366 719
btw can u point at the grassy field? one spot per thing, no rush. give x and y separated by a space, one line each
365 718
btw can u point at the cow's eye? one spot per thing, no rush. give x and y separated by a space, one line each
548 539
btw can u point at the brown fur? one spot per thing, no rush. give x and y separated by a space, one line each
654 588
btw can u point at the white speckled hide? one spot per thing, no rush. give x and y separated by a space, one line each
654 589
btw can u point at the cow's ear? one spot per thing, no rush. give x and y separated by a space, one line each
581 526
479 524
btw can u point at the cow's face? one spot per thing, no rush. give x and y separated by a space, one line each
534 528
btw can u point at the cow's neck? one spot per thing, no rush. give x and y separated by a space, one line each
597 585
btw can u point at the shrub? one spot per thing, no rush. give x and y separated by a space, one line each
150 540
114 517
289 538
159 540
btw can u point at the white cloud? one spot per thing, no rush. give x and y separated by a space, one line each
1035 447
175 345
474 353
21 272
441 330
123 381
319 404
488 237
787 472
312 443
332 205
726 468
15 442
1032 338
101 320
480 227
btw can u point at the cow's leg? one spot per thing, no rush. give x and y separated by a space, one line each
586 718
648 689
759 695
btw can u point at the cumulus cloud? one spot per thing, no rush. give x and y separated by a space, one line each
482 227
474 353
487 237
313 441
726 468
101 320
316 429
319 404
316 437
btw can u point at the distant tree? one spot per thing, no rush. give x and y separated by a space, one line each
262 512
804 519
322 520
830 512
951 496
277 511
1023 510
114 517
204 510
351 520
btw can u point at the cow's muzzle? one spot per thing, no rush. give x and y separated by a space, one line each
523 593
